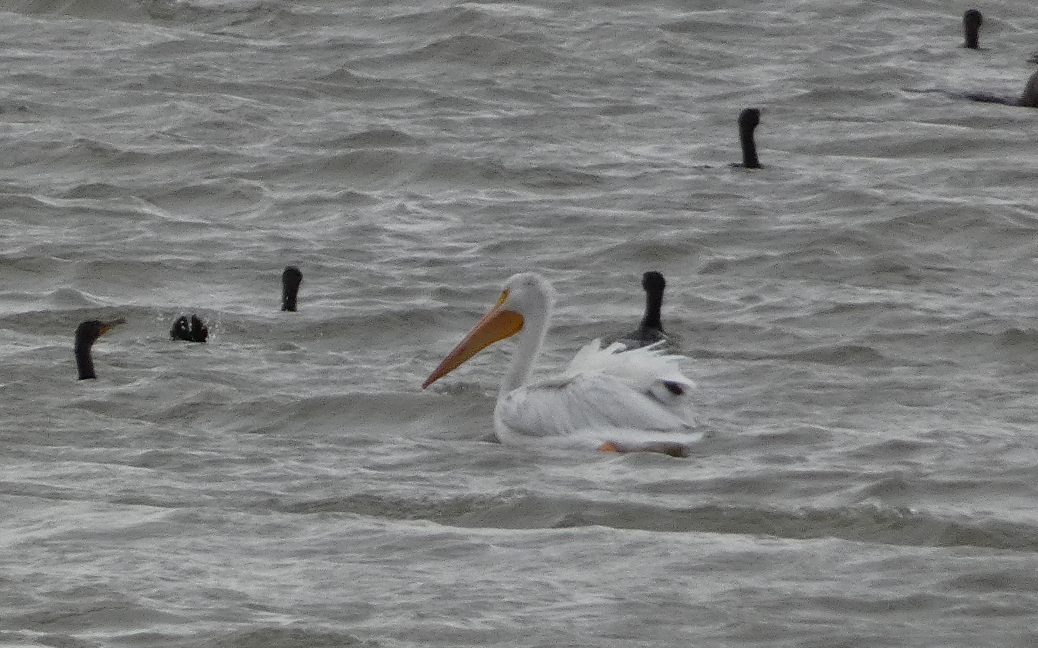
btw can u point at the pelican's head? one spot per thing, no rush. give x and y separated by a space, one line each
525 296
528 294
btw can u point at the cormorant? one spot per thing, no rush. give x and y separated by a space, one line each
971 22
748 120
290 280
1028 99
650 331
193 330
86 334
651 328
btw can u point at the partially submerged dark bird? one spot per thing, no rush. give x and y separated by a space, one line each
650 331
971 22
290 280
86 334
1028 99
191 330
748 120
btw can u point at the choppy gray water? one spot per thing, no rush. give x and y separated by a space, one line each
859 315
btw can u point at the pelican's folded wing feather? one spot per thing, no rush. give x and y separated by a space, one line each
587 401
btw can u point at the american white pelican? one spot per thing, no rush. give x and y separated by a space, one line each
607 399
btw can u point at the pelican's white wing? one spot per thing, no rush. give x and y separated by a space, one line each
648 368
605 395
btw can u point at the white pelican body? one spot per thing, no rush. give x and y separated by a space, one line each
607 399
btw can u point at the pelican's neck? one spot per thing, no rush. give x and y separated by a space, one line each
527 348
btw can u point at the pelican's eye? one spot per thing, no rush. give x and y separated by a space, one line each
502 298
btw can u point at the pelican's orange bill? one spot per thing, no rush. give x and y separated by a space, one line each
496 325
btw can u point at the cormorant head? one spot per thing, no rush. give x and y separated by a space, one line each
653 281
971 22
86 334
749 118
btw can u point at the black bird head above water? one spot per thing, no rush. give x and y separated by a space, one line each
748 120
971 22
86 334
190 330
290 280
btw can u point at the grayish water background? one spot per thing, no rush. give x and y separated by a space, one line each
859 316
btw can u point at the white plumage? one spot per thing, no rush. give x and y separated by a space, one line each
607 398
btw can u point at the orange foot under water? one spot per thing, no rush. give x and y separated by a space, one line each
669 448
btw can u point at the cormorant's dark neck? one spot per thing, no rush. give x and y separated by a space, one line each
971 22
290 280
288 299
749 148
86 334
653 305
651 328
84 362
